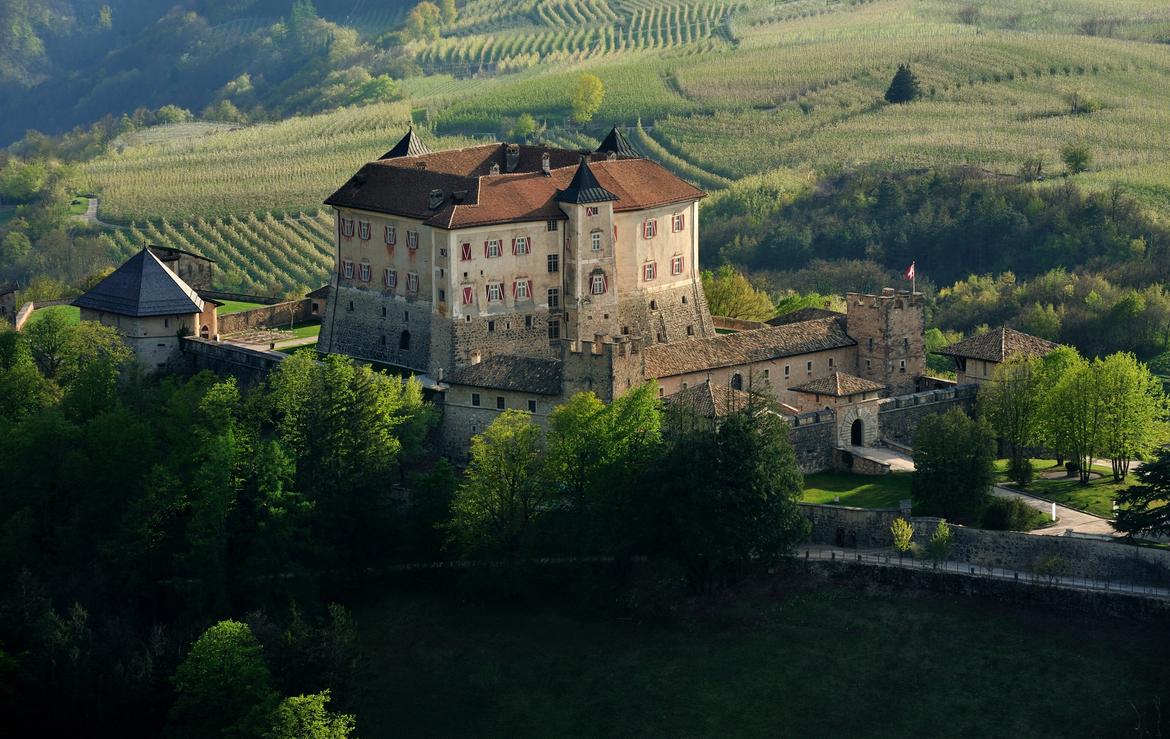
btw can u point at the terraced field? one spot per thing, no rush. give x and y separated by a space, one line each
720 91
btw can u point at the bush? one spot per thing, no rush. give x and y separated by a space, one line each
1022 471
1010 514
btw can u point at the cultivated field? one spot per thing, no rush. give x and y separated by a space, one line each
716 90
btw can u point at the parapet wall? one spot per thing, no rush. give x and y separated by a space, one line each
249 366
1062 556
899 416
277 315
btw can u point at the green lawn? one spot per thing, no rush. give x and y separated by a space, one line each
1096 497
862 491
826 662
304 330
236 306
78 206
71 313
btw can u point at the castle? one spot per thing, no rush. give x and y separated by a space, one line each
514 276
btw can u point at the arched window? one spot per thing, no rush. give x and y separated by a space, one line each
404 341
737 381
204 332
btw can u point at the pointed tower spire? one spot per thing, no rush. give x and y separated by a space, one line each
584 188
617 143
409 145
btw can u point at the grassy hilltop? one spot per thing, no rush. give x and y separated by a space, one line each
723 91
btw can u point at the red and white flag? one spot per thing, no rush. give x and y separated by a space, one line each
909 274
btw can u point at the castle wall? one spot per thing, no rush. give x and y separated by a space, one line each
900 416
812 436
369 324
277 315
461 419
248 366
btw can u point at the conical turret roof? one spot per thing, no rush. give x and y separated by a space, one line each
616 142
142 286
584 188
409 145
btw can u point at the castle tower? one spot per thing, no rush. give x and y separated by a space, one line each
889 330
590 276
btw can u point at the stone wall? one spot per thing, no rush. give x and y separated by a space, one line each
241 297
249 366
1029 553
277 315
366 324
846 461
670 315
889 329
522 334
900 416
736 324
813 437
461 420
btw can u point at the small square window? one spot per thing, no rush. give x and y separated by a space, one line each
500 402
690 330
532 406
552 226
766 372
475 399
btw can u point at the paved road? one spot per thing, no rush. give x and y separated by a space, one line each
89 217
1066 518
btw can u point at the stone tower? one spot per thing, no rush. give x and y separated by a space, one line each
591 284
889 330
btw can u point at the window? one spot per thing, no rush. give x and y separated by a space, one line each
554 297
595 241
867 365
347 227
520 245
678 222
383 311
808 368
527 321
412 282
684 299
554 329
591 210
871 343
390 277
649 228
391 235
532 406
465 251
347 269
653 305
767 373
491 248
902 366
554 262
787 370
350 307
597 283
364 271
690 330
649 271
495 292
522 290
684 386
404 341
475 399
412 239
500 402
491 326
737 381
442 295
166 323
468 294
364 230
551 226
676 264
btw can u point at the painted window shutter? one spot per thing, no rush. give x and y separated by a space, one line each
605 283
466 251
513 247
468 294
530 293
513 290
485 248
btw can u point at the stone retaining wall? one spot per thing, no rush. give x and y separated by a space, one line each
814 437
249 366
277 315
1053 555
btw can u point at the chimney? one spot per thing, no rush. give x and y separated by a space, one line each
887 292
511 157
495 169
435 200
420 164
544 164
611 156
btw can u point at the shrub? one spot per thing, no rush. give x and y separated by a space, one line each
1022 471
1010 514
939 547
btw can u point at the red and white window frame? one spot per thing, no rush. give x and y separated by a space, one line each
465 251
676 264
678 222
492 248
364 230
345 227
412 283
390 278
649 228
494 292
521 245
598 283
522 290
411 239
347 269
390 235
649 271
364 271
468 294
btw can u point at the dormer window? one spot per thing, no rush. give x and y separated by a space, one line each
435 199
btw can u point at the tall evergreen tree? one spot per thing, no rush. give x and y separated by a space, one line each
904 87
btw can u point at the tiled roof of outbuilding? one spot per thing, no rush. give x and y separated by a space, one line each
666 360
711 400
472 196
142 286
839 385
998 344
507 372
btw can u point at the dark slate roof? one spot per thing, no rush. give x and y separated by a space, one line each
585 188
7 288
409 145
998 344
142 286
617 143
711 400
507 372
726 350
839 385
322 292
803 314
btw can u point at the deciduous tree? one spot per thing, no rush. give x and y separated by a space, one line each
1133 406
588 93
954 466
730 294
306 717
1012 403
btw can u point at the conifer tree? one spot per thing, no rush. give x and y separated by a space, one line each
904 86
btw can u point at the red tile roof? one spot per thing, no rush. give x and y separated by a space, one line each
839 385
472 196
998 344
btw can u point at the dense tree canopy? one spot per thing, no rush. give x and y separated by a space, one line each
954 457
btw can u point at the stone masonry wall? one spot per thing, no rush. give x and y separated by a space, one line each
662 314
900 416
1029 553
249 366
890 340
813 437
523 334
278 315
368 325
